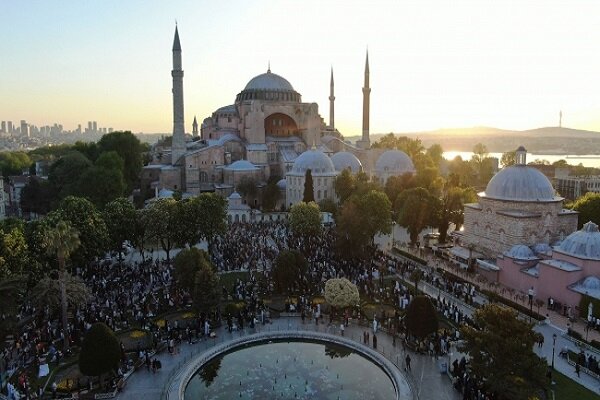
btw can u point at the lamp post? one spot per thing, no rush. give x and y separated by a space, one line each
553 346
530 294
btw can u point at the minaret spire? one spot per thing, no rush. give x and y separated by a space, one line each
365 142
195 127
331 103
178 143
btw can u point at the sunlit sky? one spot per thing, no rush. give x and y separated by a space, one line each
434 64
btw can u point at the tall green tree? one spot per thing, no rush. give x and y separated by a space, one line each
120 218
14 252
187 263
64 174
345 185
289 270
309 188
37 197
14 163
206 294
129 149
508 158
501 353
62 240
450 208
421 317
213 216
11 296
100 351
397 184
305 219
247 187
436 153
271 195
163 223
82 215
415 210
588 207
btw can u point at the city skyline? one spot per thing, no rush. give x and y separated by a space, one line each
433 65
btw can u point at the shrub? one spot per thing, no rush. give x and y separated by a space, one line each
100 351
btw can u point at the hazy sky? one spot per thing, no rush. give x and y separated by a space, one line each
452 63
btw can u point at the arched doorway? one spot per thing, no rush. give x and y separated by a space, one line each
280 125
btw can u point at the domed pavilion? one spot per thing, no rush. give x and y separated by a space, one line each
518 207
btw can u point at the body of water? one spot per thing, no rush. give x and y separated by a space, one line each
290 370
587 160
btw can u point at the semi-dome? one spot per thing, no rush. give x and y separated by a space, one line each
520 252
241 165
282 184
520 183
583 244
315 160
591 283
394 162
345 159
269 81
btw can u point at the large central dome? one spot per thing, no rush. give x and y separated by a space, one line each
520 183
269 87
269 81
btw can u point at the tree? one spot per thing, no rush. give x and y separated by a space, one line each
482 163
397 184
129 149
48 291
83 216
501 353
309 189
213 216
345 185
206 295
508 158
37 196
289 270
187 263
588 207
415 211
100 351
119 216
101 185
271 195
361 217
328 205
163 223
247 187
62 240
450 208
436 153
14 163
421 318
64 174
11 292
141 230
341 293
305 219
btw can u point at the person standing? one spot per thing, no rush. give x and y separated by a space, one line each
407 360
375 342
342 329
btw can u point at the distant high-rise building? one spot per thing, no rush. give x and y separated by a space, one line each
110 130
9 127
89 128
79 128
24 128
3 126
94 127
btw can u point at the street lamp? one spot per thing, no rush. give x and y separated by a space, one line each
553 346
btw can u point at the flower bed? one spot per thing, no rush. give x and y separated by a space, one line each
136 339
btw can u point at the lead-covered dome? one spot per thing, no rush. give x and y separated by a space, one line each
520 183
241 165
520 252
582 244
345 159
315 160
269 87
394 162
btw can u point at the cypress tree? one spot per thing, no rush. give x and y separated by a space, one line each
309 190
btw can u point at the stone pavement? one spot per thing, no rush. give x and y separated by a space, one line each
425 377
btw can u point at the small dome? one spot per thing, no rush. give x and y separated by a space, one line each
520 252
282 184
269 81
315 160
583 244
542 248
591 283
345 159
241 165
520 183
394 162
234 196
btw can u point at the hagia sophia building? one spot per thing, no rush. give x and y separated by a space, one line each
268 132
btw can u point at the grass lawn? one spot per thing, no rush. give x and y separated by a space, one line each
568 389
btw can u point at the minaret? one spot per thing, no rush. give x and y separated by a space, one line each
365 142
331 103
195 127
178 144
